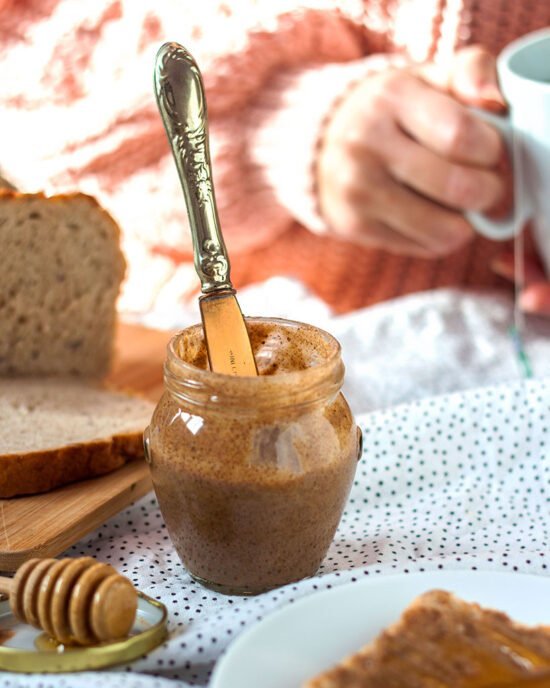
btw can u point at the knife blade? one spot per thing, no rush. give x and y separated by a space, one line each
227 341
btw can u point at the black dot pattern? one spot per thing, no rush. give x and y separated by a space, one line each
456 482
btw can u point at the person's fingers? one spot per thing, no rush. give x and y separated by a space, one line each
504 172
536 299
529 242
473 79
372 203
505 266
445 126
452 184
357 218
532 269
374 234
434 227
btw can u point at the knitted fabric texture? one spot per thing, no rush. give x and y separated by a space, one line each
84 117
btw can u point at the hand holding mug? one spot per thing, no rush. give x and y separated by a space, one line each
412 158
415 179
535 294
524 73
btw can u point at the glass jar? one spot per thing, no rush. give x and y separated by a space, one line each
252 473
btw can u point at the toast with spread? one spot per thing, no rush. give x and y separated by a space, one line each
441 641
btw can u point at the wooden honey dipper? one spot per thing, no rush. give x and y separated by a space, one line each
75 601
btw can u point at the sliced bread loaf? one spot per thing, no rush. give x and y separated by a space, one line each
60 275
54 431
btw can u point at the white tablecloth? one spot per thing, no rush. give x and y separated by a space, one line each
406 349
455 481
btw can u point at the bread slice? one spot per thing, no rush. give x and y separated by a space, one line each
441 641
61 270
54 431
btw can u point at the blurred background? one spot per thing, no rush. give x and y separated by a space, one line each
77 112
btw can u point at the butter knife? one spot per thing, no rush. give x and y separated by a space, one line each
182 103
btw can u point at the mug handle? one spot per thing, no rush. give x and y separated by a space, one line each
507 227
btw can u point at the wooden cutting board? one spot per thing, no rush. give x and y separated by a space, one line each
45 525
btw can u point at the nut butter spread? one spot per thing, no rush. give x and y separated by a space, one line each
252 473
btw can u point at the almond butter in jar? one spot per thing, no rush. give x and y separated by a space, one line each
252 473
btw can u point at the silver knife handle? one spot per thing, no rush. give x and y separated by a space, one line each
182 104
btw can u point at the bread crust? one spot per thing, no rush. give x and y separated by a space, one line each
56 198
40 471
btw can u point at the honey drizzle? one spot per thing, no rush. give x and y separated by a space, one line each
537 681
496 674
510 665
519 652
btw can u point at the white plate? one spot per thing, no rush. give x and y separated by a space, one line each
304 638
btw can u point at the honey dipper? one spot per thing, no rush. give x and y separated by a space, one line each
75 601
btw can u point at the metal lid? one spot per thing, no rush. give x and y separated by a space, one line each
26 649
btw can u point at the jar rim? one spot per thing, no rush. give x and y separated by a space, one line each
197 380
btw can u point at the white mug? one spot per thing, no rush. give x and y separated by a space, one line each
524 76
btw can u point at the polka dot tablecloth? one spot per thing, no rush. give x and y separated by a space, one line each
454 482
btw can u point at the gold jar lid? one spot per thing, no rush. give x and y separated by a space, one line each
26 649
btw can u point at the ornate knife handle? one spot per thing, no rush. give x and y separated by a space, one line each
182 104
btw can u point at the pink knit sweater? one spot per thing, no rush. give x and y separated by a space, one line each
78 111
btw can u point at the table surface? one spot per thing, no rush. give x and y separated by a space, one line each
455 482
46 524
